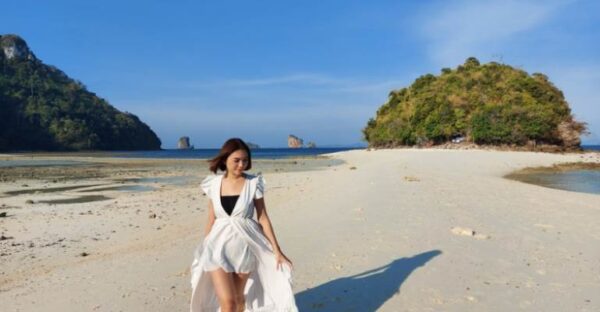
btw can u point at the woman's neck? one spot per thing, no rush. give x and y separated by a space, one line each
232 177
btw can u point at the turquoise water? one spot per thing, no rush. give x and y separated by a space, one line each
586 181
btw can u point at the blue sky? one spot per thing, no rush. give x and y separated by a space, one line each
261 70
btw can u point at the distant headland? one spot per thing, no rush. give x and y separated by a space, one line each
42 109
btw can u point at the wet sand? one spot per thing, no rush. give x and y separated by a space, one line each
397 230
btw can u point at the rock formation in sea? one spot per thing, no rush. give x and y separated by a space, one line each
184 143
294 141
311 144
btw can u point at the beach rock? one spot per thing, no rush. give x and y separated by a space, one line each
294 141
2 214
462 231
569 133
468 232
481 236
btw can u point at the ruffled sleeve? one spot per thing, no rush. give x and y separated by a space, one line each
207 183
260 187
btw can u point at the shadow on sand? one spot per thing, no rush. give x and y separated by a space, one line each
364 292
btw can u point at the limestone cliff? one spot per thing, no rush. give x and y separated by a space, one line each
184 143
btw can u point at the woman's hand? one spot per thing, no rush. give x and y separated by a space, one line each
281 259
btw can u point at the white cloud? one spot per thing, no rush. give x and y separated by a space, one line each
580 87
298 79
461 29
329 109
454 31
310 79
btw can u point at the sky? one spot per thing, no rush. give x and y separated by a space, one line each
261 70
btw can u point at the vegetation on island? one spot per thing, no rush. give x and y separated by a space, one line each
41 108
489 104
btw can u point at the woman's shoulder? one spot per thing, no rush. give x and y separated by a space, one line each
210 178
257 182
207 182
255 178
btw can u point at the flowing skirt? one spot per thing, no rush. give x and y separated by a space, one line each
267 289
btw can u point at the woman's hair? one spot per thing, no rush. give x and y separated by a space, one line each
229 147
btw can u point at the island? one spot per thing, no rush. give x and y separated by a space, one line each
484 104
42 109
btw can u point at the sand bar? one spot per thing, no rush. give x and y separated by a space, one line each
387 230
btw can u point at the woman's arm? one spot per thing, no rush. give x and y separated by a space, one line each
265 223
211 218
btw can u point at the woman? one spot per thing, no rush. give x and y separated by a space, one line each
239 266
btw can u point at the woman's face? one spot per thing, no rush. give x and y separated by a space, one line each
237 162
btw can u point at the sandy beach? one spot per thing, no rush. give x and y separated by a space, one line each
379 230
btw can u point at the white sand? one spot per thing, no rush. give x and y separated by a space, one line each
406 230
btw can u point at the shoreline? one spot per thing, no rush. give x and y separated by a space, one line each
572 176
447 229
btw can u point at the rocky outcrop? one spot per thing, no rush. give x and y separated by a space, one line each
184 143
13 47
569 132
311 144
294 141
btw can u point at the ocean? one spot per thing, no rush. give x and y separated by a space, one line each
260 153
586 181
576 180
591 147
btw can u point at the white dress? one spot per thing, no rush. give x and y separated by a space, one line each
237 243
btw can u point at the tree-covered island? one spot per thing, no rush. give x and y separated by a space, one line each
41 108
489 104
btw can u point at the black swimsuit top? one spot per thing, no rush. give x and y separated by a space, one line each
228 202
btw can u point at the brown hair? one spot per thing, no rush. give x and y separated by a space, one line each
228 148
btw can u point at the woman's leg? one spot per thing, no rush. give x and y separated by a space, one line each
225 290
239 281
